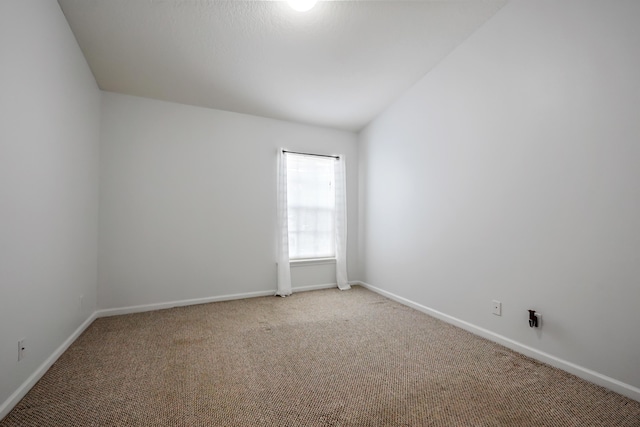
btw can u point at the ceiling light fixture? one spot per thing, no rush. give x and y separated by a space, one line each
302 5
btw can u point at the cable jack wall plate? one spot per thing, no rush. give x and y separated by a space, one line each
497 308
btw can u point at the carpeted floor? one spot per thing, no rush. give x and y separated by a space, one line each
322 358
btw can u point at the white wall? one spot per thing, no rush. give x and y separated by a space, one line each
49 133
187 205
512 172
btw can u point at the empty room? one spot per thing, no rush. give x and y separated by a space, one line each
319 213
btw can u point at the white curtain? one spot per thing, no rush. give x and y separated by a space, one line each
284 271
341 224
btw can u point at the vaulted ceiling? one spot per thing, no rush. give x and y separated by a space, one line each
337 65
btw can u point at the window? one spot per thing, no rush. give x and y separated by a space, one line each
311 206
311 194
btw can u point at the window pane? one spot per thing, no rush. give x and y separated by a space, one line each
311 201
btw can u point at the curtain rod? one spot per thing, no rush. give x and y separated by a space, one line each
310 154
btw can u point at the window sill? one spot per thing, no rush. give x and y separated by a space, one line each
311 261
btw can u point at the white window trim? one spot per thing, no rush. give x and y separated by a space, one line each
311 261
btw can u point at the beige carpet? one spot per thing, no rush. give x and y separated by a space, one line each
323 358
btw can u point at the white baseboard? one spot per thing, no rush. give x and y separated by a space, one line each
24 388
181 303
314 287
577 370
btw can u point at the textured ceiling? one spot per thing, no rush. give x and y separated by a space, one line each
338 65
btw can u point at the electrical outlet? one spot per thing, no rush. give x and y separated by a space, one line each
497 308
22 349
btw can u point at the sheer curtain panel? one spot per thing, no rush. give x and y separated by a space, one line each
284 271
340 213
